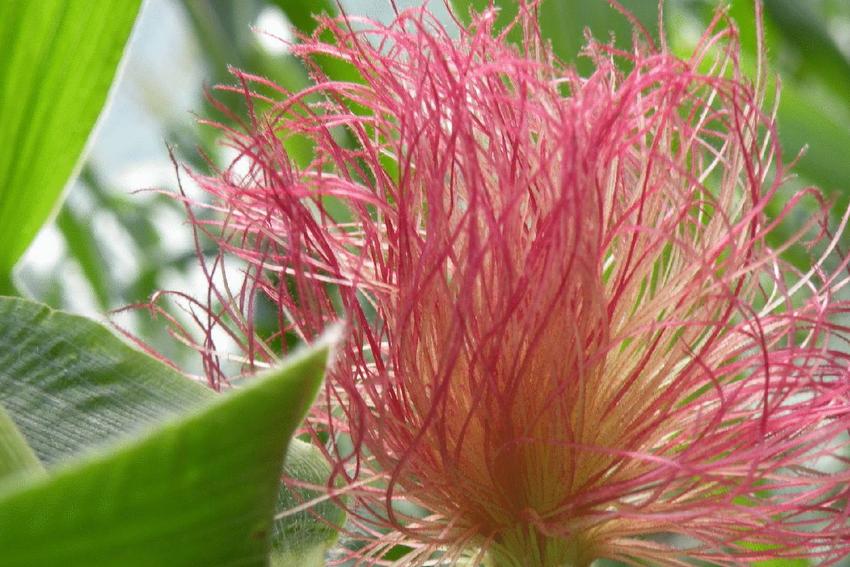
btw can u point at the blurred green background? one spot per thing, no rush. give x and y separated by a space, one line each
111 244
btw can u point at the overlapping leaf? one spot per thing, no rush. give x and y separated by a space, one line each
75 389
196 490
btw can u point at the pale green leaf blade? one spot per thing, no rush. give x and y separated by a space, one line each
303 538
72 386
69 384
198 490
16 457
59 59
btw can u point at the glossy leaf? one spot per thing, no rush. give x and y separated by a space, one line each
60 57
196 490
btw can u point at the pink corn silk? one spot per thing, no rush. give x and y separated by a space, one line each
565 328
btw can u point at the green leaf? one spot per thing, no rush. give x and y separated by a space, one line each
564 23
59 59
15 455
7 286
304 537
72 386
196 490
69 384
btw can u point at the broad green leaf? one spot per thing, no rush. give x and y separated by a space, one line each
302 538
197 490
69 384
59 59
15 455
72 386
